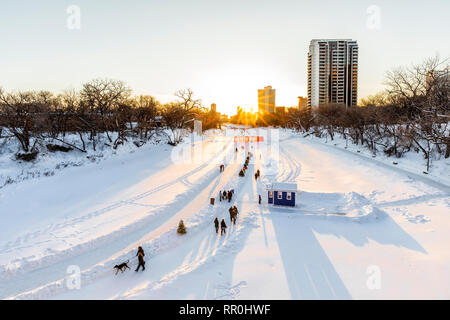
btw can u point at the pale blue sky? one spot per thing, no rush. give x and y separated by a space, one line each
223 50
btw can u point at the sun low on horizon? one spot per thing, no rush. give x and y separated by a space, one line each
236 84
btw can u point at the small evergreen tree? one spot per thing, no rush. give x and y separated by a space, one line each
181 228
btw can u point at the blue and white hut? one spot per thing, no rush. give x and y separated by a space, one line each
282 194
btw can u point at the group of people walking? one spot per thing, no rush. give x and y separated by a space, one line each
233 214
223 226
226 195
223 195
245 167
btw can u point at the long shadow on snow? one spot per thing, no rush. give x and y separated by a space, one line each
309 271
192 263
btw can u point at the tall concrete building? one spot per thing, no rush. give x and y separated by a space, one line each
332 72
266 100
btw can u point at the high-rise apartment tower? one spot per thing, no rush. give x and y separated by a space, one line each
332 72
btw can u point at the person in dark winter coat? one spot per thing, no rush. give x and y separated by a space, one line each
259 199
256 176
235 210
223 227
231 213
140 254
230 195
220 195
216 224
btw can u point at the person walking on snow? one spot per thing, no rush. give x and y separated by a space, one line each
216 224
231 213
140 254
223 227
259 199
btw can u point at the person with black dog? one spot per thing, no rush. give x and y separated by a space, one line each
223 227
140 254
216 224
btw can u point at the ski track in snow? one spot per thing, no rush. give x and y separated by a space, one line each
27 264
155 246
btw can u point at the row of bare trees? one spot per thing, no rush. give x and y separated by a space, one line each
103 107
413 113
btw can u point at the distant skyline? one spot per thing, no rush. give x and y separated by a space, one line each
224 50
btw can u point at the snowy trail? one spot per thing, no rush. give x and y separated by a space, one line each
156 241
100 247
275 253
198 252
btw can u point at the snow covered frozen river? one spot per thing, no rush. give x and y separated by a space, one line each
390 241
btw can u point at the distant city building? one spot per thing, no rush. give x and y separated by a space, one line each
266 100
213 107
280 110
302 102
332 72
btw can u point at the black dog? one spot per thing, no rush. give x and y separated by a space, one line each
122 267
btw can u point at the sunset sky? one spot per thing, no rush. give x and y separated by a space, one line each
223 50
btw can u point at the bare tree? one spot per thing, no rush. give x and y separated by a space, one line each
102 95
422 88
146 111
21 114
174 116
187 101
